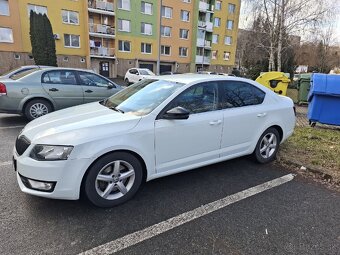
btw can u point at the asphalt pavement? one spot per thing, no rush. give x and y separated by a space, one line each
297 217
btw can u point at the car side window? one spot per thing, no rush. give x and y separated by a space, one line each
198 98
133 71
59 77
238 94
91 79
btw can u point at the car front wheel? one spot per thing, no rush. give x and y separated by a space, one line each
267 146
113 179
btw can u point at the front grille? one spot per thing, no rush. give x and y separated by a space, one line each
21 144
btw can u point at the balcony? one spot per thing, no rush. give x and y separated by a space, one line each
101 7
102 52
203 60
207 44
103 31
207 25
205 7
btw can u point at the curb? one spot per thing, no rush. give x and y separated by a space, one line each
308 168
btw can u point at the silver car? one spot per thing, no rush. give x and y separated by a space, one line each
37 92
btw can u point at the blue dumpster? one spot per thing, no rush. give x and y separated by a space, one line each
324 99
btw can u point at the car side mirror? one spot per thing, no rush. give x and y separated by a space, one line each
177 113
110 86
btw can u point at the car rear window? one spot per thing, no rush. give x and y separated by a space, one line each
23 74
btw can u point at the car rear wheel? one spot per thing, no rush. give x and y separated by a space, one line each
267 146
37 108
113 179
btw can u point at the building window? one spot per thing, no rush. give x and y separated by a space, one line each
124 5
165 50
72 41
217 22
214 54
70 17
124 25
146 48
166 12
230 24
4 8
165 31
228 40
184 33
226 55
146 8
215 38
218 5
6 35
65 59
183 52
37 9
231 8
185 15
124 46
16 56
146 28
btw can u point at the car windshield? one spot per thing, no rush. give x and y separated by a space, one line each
145 72
23 74
143 97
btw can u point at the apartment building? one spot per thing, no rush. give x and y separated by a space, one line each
111 36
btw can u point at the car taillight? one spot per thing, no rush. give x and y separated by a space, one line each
3 90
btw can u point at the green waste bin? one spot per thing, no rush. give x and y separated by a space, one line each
303 88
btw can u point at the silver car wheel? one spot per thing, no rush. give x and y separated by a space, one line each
115 180
268 145
38 110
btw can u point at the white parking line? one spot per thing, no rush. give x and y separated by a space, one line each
7 163
159 228
12 127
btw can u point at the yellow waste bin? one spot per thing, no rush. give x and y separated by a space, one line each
276 81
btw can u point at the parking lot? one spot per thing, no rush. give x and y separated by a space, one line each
219 209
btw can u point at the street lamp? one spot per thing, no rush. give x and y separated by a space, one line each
159 39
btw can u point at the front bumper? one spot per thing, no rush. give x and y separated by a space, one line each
66 174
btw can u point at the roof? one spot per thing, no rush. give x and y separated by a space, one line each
191 77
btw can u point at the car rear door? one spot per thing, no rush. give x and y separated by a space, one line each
63 87
95 88
181 143
244 116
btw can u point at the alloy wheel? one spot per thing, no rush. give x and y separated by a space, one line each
38 110
268 145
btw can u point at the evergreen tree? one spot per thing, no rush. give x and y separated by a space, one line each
42 40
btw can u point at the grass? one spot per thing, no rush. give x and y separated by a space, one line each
317 147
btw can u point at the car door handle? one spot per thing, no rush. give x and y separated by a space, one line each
215 122
260 115
88 91
53 89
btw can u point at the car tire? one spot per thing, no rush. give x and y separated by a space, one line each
113 179
267 146
37 108
127 82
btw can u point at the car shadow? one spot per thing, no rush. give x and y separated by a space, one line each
10 120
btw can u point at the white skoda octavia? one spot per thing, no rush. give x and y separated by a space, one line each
154 128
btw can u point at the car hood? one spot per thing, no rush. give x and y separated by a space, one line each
79 124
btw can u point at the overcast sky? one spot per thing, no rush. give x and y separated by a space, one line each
246 17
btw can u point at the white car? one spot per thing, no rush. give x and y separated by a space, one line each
154 128
134 75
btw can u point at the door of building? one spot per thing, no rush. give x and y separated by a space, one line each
165 68
146 65
104 69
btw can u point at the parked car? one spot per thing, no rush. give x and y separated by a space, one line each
207 72
20 70
134 75
36 92
154 128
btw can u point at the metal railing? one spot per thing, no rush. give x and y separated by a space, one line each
102 29
101 5
102 51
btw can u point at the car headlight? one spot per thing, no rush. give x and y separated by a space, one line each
50 152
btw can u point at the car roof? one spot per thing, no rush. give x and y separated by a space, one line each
192 78
49 68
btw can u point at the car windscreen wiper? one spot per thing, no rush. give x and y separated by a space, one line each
116 109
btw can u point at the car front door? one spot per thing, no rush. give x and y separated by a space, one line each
62 87
183 143
243 116
134 75
95 88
